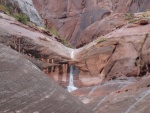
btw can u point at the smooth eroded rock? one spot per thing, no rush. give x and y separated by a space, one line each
26 89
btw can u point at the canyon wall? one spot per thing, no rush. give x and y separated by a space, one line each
80 14
121 52
111 71
105 58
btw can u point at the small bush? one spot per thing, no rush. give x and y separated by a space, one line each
66 43
13 11
63 40
134 20
4 9
146 14
54 31
10 9
129 16
102 40
21 18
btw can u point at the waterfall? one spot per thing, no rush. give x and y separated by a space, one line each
72 54
71 86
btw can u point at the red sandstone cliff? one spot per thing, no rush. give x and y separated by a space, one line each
80 14
110 68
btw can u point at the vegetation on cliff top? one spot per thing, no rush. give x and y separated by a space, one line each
13 11
133 18
23 18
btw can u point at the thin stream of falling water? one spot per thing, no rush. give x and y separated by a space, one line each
71 86
72 54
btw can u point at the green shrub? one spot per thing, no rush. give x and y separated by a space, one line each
66 43
63 40
13 11
21 18
134 20
146 14
54 31
102 40
129 16
10 9
4 9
